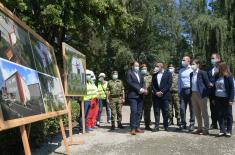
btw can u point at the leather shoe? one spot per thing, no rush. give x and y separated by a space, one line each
155 129
148 128
139 131
133 132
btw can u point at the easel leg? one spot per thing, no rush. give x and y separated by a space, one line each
83 117
70 120
25 140
64 137
28 129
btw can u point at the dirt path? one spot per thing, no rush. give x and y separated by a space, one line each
104 142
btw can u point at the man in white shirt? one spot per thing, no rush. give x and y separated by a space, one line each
161 82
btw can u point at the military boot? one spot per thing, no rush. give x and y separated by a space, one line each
120 126
113 126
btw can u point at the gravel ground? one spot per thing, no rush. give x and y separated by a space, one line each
102 141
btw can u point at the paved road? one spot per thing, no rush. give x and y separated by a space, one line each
104 142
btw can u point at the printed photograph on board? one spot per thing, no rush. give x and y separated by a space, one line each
75 67
52 93
20 93
44 60
14 43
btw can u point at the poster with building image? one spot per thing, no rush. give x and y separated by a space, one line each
30 82
74 71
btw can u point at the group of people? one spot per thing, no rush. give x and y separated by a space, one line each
167 92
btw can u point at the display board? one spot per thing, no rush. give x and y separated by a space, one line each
74 71
30 85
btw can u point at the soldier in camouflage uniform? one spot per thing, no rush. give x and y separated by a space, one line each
148 98
115 98
174 104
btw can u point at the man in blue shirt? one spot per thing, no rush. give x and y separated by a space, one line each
184 93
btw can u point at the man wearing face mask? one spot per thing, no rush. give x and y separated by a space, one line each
174 104
92 93
148 98
184 93
116 98
136 91
162 82
102 86
215 60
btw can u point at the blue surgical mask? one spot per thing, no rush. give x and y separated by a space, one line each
184 64
213 62
136 68
144 71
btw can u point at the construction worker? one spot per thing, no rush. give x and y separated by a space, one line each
102 86
92 93
116 98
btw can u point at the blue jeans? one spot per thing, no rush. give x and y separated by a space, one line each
161 105
185 99
86 109
102 102
136 106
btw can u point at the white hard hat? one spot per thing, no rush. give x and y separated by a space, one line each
102 75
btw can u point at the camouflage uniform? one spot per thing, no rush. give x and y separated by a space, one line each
174 104
115 87
147 100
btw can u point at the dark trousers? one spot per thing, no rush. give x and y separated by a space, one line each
161 105
185 99
136 106
86 109
213 112
224 113
102 102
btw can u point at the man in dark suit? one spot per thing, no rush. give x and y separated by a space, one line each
215 60
161 82
136 85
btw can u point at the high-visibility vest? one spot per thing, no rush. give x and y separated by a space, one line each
92 91
102 89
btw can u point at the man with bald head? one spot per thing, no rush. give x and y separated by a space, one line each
185 94
161 84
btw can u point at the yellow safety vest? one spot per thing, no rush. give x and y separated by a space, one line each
92 91
102 89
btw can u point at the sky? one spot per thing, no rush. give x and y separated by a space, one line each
8 68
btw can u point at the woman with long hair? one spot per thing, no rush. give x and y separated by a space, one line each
224 96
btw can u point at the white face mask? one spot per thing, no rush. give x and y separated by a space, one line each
88 77
101 79
194 67
172 70
115 76
156 69
184 64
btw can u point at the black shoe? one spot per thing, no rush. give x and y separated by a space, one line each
155 130
120 126
191 128
171 122
148 128
113 127
181 127
178 122
166 129
214 126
